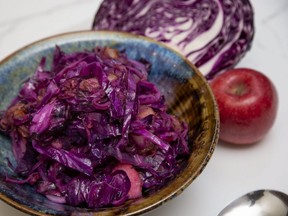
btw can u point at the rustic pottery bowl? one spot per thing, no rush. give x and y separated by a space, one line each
188 96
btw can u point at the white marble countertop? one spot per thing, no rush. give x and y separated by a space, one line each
231 171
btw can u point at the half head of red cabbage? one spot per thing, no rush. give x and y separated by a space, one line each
213 34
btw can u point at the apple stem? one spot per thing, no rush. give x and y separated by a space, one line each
239 89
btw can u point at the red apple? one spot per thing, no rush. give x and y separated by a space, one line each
247 102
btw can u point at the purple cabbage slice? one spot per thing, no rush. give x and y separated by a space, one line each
71 126
213 34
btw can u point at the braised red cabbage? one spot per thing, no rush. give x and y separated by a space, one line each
93 131
213 34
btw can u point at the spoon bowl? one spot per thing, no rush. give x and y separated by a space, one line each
258 203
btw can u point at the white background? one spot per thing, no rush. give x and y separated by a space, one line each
231 171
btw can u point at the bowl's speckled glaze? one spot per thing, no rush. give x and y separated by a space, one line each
187 93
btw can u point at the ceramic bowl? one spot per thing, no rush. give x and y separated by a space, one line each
186 90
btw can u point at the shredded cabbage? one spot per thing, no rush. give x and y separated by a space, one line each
93 128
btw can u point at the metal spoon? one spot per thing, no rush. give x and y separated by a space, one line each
258 203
